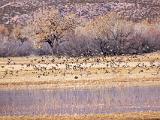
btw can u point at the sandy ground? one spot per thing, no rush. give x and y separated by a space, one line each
52 72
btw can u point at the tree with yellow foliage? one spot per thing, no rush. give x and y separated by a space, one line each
49 26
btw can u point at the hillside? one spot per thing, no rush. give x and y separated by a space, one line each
12 10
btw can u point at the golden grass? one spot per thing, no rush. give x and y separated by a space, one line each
125 116
52 72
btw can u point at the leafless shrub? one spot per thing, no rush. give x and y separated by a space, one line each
80 46
115 36
14 48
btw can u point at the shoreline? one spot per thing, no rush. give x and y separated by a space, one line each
81 84
118 116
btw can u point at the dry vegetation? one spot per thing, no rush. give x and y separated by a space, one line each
52 72
128 27
126 116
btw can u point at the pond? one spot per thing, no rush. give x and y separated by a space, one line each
79 101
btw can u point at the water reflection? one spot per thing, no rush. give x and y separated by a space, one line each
79 101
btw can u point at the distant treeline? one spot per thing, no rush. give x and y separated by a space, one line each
47 32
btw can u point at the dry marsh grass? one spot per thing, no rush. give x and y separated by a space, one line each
52 72
125 116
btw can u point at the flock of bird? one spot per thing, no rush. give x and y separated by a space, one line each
46 66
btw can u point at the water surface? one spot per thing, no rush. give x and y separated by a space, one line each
79 101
